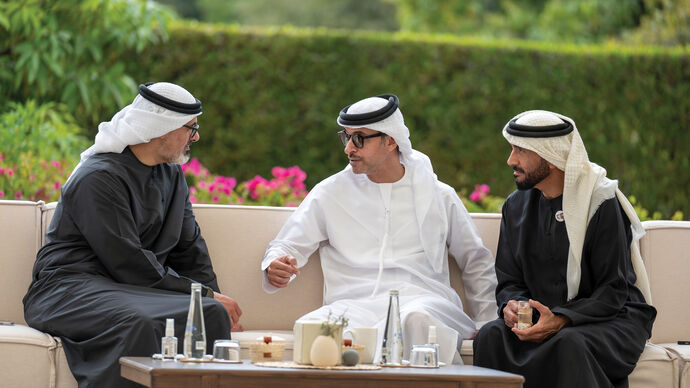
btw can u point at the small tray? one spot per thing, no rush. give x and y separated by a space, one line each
226 361
404 364
182 358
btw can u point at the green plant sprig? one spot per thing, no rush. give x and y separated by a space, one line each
331 325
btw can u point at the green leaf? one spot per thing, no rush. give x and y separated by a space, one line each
84 93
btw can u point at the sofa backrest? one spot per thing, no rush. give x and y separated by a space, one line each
20 239
665 249
488 225
238 235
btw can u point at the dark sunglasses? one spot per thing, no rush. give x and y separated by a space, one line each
357 139
194 127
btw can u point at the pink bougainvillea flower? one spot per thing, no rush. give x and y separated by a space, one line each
215 198
55 163
2 193
475 196
483 188
192 199
297 173
231 183
56 185
279 172
17 195
256 181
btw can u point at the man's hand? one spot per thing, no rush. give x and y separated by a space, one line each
280 270
510 313
547 325
233 308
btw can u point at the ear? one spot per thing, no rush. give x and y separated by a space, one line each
390 142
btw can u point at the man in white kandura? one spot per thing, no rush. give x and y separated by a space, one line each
386 222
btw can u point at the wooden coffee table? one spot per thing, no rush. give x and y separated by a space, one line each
171 374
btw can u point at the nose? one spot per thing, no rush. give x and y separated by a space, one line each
350 147
512 158
196 137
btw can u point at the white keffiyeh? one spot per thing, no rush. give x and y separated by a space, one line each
585 187
431 217
140 121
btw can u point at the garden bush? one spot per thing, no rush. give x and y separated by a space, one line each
39 147
271 96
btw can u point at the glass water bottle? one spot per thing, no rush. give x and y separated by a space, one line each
195 331
392 347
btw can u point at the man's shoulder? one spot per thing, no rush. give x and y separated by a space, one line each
334 182
519 199
445 189
95 167
105 171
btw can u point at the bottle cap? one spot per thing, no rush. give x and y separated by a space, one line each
170 327
196 286
394 292
432 334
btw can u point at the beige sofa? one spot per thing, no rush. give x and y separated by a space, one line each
237 237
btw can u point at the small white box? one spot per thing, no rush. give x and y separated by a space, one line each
305 332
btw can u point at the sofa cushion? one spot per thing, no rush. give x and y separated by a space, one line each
656 367
665 249
20 239
29 354
683 353
64 376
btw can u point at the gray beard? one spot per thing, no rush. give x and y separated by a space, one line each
181 158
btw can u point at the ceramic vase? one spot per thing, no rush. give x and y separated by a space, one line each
324 351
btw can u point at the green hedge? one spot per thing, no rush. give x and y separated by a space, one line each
271 97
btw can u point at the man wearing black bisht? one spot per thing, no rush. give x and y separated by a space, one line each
123 247
569 245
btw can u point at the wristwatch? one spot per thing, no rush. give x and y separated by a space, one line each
207 292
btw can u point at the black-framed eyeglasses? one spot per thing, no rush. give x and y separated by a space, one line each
194 127
357 139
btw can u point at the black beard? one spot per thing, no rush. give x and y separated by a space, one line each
534 177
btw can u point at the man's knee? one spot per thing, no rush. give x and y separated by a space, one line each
416 319
216 319
569 341
491 329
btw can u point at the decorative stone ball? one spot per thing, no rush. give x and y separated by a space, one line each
350 357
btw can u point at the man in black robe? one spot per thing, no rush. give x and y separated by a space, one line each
123 247
568 244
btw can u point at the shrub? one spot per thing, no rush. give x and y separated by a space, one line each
73 51
479 201
46 132
271 97
32 179
286 188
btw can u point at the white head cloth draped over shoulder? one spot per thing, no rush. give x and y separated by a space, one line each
382 114
159 108
555 138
